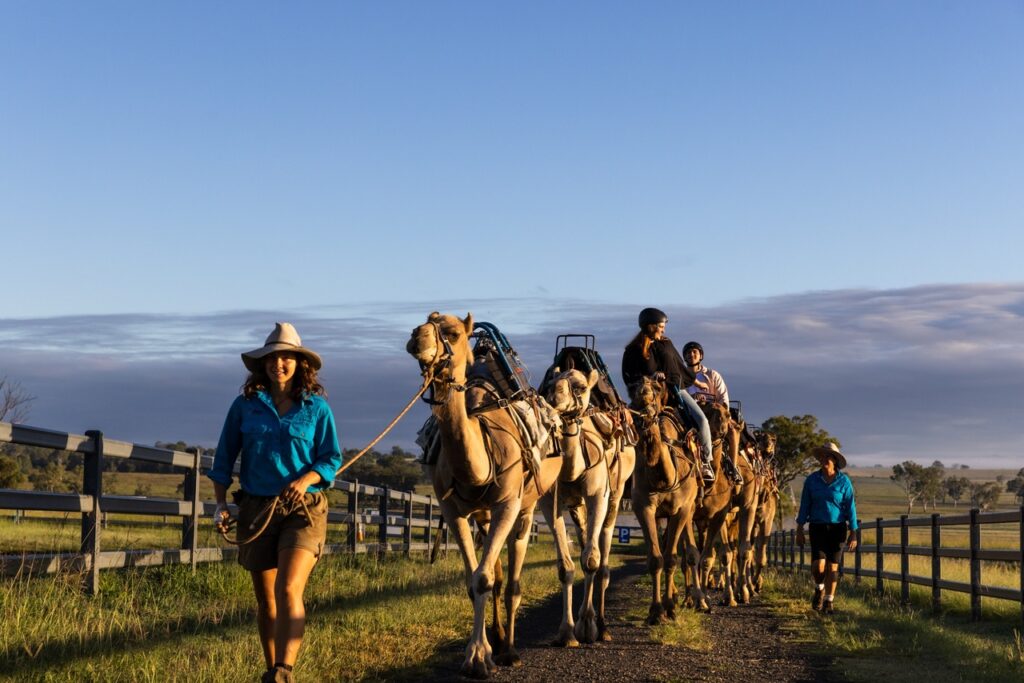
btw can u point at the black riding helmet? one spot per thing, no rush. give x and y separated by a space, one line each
652 316
693 345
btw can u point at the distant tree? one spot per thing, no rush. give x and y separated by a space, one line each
931 484
985 494
1016 485
957 488
938 465
910 477
965 467
10 472
14 401
397 470
796 437
1000 478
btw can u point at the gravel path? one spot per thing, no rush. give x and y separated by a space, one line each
748 645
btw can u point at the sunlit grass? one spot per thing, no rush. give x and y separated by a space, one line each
874 637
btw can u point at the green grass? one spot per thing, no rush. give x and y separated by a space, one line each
875 638
368 619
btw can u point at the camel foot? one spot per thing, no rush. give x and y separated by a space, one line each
565 637
479 669
586 630
656 615
670 610
510 658
602 631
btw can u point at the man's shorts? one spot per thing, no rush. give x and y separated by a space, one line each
289 528
827 541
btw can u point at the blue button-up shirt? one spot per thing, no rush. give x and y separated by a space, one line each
277 450
827 503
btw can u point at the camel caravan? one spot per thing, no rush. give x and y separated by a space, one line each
496 450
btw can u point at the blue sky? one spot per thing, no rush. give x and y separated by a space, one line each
169 164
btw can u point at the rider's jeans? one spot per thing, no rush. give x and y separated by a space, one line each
695 416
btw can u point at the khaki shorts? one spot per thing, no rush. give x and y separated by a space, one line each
289 528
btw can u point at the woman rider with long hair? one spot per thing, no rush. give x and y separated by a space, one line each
651 353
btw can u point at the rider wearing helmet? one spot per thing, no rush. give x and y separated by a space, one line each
708 385
651 353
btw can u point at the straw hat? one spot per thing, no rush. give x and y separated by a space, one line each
283 338
830 450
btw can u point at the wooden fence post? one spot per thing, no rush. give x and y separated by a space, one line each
408 525
904 561
353 512
975 567
190 524
936 564
92 485
792 548
430 521
879 560
856 555
800 566
382 531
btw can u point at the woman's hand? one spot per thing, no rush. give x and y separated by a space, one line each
294 491
221 516
851 543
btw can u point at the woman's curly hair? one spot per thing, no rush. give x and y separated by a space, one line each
304 383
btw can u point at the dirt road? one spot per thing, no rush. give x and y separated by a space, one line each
748 645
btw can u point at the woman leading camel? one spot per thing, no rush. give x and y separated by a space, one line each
827 503
651 353
283 430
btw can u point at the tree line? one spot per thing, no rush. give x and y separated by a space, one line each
931 484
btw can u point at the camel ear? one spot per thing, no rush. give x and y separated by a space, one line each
593 377
469 324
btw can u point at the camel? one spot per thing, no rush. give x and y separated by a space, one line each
722 497
766 508
592 479
484 469
665 485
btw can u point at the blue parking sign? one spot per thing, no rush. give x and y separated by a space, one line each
623 534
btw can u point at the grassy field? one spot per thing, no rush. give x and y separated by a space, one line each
368 618
875 638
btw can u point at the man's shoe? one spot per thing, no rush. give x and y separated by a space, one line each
737 477
819 596
828 608
706 473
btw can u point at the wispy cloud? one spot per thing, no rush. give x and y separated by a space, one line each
920 373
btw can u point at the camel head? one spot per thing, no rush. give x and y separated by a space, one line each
569 391
442 339
718 418
650 396
767 441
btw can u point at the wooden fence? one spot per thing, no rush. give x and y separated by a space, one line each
784 552
396 521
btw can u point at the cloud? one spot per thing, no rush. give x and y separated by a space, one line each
924 373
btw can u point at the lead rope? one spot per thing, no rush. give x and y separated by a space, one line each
271 507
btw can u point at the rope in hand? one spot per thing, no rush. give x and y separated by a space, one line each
271 507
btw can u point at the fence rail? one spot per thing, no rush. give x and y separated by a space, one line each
400 521
784 552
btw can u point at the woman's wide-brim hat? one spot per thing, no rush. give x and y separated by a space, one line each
283 338
830 450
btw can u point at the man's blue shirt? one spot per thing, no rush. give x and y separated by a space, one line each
277 450
827 503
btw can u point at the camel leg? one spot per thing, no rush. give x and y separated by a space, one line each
672 532
697 595
603 572
715 524
649 526
479 663
517 543
744 554
550 507
597 509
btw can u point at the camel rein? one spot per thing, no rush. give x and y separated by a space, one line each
271 507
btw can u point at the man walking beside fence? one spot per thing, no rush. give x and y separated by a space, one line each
827 502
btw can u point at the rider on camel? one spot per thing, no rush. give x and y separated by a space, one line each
708 385
651 353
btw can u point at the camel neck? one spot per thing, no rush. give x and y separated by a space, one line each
461 439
